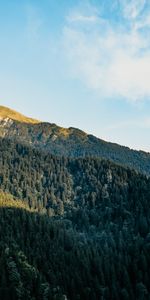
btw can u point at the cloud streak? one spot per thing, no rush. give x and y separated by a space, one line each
108 56
132 8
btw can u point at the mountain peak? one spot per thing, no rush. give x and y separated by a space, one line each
7 113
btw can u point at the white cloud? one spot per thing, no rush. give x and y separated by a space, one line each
112 59
132 8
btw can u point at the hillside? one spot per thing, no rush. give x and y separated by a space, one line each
71 142
96 243
60 185
80 230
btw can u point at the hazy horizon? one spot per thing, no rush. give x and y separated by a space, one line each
83 64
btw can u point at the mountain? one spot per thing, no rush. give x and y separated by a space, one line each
81 230
68 142
73 226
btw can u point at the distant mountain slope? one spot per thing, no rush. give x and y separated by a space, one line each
70 142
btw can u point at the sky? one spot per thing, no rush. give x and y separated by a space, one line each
83 64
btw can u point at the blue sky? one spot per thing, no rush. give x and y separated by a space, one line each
79 63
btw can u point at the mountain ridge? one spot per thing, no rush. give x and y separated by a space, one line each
73 142
7 113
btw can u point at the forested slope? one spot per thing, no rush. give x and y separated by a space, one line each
60 184
50 258
80 230
72 142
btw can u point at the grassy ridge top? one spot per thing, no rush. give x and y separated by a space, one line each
6 112
58 131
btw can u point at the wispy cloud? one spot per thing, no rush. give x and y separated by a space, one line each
111 56
132 8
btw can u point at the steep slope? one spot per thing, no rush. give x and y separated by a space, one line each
71 142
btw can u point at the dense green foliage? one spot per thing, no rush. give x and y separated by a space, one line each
73 142
96 243
61 184
44 258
